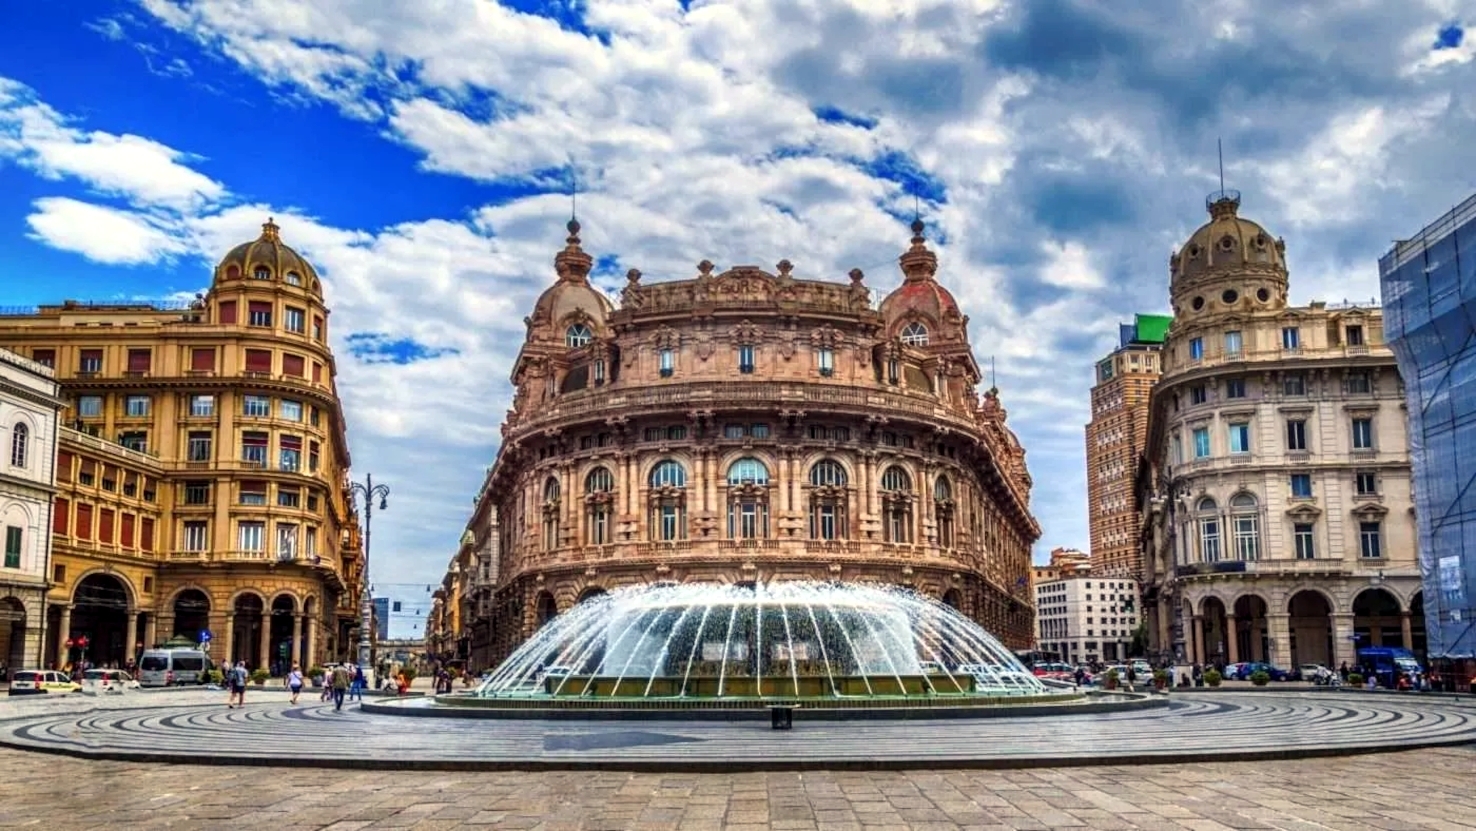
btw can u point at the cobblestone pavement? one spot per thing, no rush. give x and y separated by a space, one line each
1424 789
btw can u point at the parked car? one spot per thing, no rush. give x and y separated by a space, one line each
1276 673
1316 673
168 667
41 682
108 680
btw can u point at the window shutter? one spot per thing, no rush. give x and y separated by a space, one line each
227 311
202 360
105 526
127 536
292 365
146 535
45 357
258 360
260 307
317 373
139 360
61 517
82 528
291 442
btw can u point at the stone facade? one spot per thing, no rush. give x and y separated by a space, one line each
1276 485
742 426
28 424
201 480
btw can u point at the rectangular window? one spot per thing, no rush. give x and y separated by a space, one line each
291 453
227 311
294 320
1198 394
259 313
106 521
310 542
1291 338
317 373
1358 382
1232 344
146 534
288 497
12 546
82 527
1355 335
317 329
1366 483
254 448
758 431
312 457
202 406
1196 349
197 535
1201 442
745 359
135 440
90 361
197 493
1302 534
256 406
253 493
136 406
126 537
668 363
1235 388
202 360
286 541
1370 542
825 360
1362 434
89 406
294 365
139 360
1296 434
291 410
1293 384
44 357
200 446
1240 438
251 535
258 360
61 517
733 431
1301 485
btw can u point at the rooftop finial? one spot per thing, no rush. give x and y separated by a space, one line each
269 230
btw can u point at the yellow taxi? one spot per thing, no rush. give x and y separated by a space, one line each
42 682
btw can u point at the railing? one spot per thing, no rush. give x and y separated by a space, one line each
1253 356
113 448
1268 567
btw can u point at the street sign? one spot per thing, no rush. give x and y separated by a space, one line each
205 636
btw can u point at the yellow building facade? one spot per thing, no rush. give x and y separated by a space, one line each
201 475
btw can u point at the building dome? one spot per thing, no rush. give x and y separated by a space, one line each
920 295
572 297
1228 262
268 258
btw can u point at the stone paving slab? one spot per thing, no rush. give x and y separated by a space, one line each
1223 727
1423 789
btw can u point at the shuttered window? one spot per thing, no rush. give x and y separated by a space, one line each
317 373
61 516
105 523
293 365
139 360
126 538
146 537
82 527
227 311
258 360
202 360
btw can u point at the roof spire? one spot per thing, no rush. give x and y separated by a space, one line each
572 263
918 263
269 231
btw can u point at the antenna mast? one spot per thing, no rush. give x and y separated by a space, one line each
573 191
1220 147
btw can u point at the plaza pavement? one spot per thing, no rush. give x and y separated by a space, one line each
1425 789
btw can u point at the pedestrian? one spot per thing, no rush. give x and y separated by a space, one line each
402 684
340 686
1132 677
359 682
237 685
327 682
294 683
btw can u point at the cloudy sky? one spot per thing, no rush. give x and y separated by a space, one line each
420 154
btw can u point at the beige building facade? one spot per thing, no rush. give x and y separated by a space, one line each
751 426
1278 524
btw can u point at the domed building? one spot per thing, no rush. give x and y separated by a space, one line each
200 471
743 425
1278 524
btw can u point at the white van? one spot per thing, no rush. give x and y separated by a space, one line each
167 667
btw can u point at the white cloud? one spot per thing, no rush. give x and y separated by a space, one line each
1069 265
105 235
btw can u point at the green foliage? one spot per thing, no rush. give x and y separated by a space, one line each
315 673
409 673
1161 676
259 676
215 677
1213 678
1139 646
1260 678
1355 679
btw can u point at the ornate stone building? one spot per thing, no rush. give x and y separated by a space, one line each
1276 481
752 426
201 477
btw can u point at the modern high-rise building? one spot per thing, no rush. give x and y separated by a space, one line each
382 618
1114 442
1278 523
1429 285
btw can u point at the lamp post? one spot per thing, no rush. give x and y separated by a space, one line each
369 492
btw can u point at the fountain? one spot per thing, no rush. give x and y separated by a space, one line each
828 644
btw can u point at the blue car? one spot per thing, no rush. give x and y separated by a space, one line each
1276 673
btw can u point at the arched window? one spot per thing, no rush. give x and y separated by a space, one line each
943 509
897 497
748 499
668 501
551 513
828 499
578 335
599 497
915 334
294 279
1245 523
261 272
20 445
1209 531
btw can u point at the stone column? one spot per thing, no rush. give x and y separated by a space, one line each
1197 641
1279 639
312 642
264 641
151 631
132 644
297 640
1405 630
1344 650
63 633
1232 638
229 656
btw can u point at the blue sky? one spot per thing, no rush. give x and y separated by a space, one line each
420 154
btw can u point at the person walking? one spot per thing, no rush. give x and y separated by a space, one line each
237 684
359 682
294 683
340 686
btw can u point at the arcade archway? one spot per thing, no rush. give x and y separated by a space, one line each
191 614
1311 629
247 629
99 622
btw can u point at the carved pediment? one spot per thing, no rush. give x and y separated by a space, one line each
1370 511
1304 512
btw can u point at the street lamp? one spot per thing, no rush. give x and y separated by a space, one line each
369 492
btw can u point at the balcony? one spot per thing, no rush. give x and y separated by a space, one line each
1261 567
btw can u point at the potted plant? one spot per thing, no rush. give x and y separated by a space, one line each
1355 679
1109 681
1260 678
215 677
1213 678
316 673
1160 679
409 673
259 676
